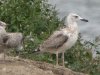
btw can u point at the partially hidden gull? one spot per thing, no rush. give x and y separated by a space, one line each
3 36
10 40
62 39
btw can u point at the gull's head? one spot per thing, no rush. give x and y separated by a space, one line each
72 17
3 24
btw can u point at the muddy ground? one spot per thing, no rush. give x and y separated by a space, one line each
18 66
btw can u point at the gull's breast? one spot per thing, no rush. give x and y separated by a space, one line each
71 41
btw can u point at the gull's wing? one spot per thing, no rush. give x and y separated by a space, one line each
55 41
5 38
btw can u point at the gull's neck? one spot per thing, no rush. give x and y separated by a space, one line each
1 27
73 25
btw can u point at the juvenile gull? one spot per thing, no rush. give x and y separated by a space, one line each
3 36
14 41
10 40
63 39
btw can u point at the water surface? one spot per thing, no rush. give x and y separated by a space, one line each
89 9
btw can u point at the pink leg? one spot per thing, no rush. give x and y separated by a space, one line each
57 59
63 59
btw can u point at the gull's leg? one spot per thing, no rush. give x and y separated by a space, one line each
57 59
4 54
63 59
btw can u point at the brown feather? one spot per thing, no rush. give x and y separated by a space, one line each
55 41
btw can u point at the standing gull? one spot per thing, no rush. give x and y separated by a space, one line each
9 40
63 39
3 36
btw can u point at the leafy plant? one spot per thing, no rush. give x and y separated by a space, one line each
40 19
29 16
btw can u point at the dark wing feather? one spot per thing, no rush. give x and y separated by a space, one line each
5 38
55 41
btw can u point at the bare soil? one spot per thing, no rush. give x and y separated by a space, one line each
18 66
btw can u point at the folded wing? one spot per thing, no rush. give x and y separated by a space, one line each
55 41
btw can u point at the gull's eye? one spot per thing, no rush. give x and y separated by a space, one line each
76 16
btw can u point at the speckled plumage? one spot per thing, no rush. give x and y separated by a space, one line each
15 40
9 40
63 39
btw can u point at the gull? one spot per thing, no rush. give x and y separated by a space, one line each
62 39
3 36
14 40
10 40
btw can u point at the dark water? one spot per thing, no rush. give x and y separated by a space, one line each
89 9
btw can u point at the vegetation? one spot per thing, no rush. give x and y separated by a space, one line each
80 57
28 16
40 19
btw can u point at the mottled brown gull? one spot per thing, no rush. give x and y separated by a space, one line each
63 39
